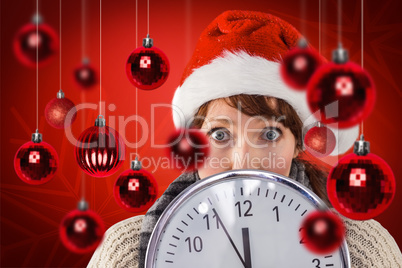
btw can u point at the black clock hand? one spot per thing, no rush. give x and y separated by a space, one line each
230 239
246 247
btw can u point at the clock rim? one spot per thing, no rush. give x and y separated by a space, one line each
228 175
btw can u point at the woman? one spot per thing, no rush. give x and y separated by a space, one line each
232 91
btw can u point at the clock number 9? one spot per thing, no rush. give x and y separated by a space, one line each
250 205
197 243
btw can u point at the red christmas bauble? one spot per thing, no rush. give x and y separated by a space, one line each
320 141
81 231
60 112
135 190
147 68
85 76
343 93
298 66
36 163
188 148
27 41
322 232
100 151
361 187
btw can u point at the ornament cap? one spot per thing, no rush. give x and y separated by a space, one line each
361 147
36 137
136 165
340 55
302 43
37 19
100 121
60 94
83 205
147 42
85 61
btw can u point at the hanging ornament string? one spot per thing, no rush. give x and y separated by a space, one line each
100 56
319 27
339 22
136 89
83 29
148 14
60 112
84 74
303 17
37 67
362 59
83 127
60 42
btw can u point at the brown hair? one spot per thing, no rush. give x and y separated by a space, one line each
258 105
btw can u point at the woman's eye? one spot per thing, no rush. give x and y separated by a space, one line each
220 135
272 134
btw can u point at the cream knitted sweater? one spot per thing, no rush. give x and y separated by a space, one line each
370 245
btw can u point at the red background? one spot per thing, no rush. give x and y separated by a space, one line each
30 215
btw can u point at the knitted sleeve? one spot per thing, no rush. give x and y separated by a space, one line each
119 248
371 245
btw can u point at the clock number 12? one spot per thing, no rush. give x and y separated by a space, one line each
249 206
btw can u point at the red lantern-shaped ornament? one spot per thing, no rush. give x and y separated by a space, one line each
361 186
85 75
320 141
60 112
147 67
188 148
322 232
342 91
100 150
298 65
81 230
36 161
135 189
28 42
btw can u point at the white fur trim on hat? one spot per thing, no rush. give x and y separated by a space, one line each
241 73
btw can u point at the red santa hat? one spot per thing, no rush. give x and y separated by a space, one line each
240 53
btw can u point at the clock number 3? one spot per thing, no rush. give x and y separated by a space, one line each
245 203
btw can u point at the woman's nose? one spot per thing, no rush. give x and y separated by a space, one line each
240 157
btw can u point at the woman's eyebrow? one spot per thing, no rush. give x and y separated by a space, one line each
276 123
221 120
270 123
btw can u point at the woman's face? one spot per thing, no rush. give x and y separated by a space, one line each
238 141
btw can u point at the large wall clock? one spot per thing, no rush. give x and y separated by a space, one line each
239 218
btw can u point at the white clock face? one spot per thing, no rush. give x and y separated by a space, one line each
244 219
